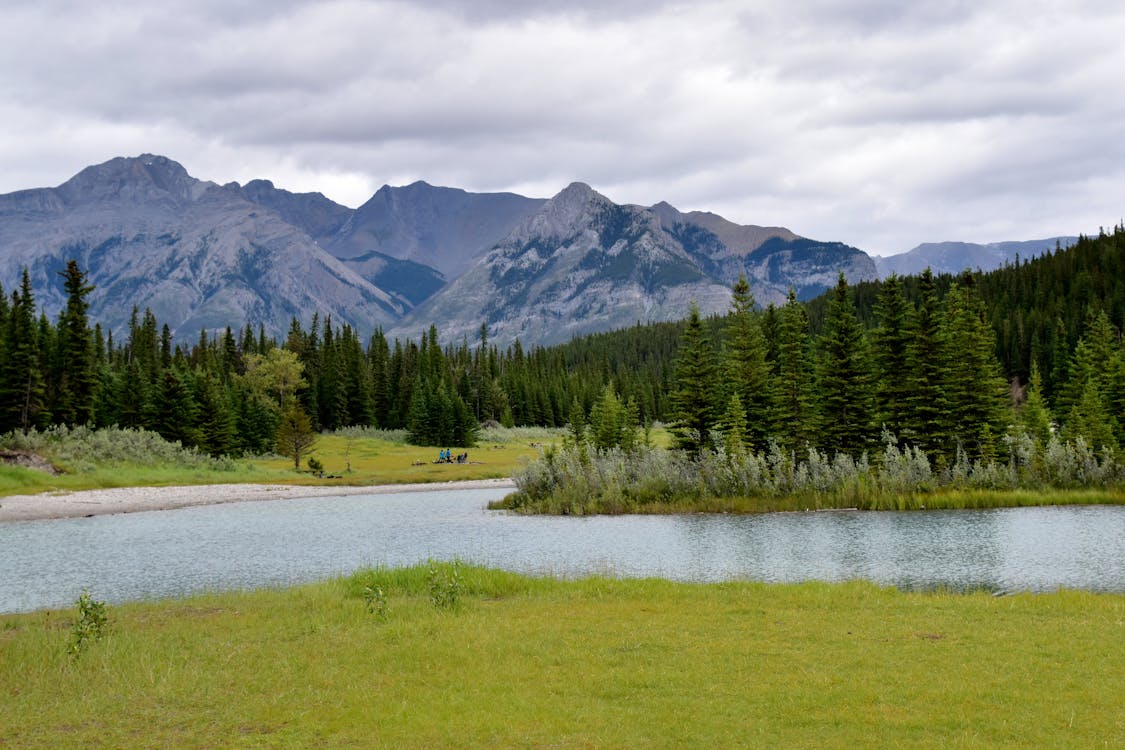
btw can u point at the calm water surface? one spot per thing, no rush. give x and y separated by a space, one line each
247 545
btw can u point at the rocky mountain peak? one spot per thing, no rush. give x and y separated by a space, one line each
568 212
139 179
668 214
313 213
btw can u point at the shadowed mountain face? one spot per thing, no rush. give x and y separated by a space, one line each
444 228
205 256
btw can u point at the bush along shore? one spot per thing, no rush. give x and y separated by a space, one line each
580 479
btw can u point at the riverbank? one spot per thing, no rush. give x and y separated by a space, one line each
596 662
136 499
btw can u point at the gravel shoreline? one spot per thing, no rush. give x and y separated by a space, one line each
135 499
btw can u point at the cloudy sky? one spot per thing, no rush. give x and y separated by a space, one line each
880 123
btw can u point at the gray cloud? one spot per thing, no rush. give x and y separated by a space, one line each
878 123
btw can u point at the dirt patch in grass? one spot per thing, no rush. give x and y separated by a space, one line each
28 461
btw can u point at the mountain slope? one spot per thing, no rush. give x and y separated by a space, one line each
954 257
579 264
201 255
583 263
197 254
444 228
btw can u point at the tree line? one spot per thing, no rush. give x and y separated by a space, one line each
943 363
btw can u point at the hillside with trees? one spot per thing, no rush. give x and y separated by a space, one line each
945 364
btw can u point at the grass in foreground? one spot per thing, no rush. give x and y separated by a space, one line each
592 663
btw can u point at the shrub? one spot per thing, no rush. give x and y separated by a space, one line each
376 600
83 449
577 479
445 584
90 624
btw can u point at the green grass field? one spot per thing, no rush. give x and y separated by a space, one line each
599 663
366 458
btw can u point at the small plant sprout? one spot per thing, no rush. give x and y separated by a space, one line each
376 600
90 624
446 587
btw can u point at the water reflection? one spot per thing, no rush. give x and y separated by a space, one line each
143 555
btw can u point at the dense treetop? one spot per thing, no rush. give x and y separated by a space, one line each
944 363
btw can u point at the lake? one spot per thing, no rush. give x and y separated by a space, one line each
46 564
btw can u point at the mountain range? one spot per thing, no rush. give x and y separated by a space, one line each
205 256
954 257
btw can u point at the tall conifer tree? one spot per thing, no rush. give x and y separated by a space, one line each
22 390
844 378
77 372
927 405
694 393
891 346
747 371
976 391
794 416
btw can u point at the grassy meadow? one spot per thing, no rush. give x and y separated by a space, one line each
350 457
536 662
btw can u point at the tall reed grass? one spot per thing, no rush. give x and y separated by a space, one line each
578 480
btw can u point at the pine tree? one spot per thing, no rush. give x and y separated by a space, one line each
1092 360
78 375
22 390
5 310
733 426
927 403
745 359
891 346
975 389
295 436
693 397
612 423
1089 419
216 420
576 424
794 417
1115 398
1034 413
844 379
176 411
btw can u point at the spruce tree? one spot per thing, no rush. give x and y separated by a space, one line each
794 416
694 393
747 371
295 436
421 424
1092 360
927 403
22 389
733 427
216 419
1034 413
1115 397
613 424
176 411
1090 419
78 377
976 392
891 345
844 379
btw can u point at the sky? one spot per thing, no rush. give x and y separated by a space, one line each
879 123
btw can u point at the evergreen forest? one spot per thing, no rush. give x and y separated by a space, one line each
944 364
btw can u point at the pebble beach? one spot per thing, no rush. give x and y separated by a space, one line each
136 499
